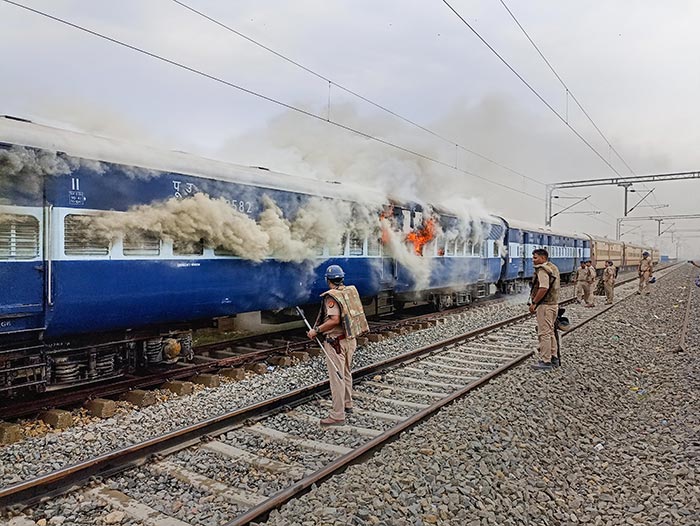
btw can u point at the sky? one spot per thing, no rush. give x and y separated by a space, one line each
631 63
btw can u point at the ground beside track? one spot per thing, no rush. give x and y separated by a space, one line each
613 437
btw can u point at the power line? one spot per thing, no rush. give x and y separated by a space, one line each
569 92
358 95
529 86
351 91
264 97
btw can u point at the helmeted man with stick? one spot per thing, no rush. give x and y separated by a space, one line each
340 320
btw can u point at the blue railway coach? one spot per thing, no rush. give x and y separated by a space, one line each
566 250
87 295
79 306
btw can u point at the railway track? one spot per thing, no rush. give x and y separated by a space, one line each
241 352
280 439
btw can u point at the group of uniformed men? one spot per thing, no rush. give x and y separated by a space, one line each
544 298
342 318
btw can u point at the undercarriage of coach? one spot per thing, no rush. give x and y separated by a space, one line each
51 366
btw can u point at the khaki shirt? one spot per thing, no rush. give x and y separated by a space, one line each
591 274
332 309
646 266
581 275
609 274
542 282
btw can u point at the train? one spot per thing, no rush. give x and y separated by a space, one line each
111 254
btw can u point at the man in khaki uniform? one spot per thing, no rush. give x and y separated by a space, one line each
646 269
545 304
609 282
580 281
338 348
590 282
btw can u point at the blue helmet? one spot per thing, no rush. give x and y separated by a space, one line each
334 272
645 253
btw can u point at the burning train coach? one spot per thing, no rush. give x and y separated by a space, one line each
110 255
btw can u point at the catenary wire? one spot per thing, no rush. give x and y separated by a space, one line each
265 97
352 92
362 97
529 86
571 94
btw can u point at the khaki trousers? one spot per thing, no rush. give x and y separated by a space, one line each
546 317
588 293
609 292
644 283
579 290
341 390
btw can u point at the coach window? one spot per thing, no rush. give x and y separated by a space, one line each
139 243
450 247
440 246
221 251
356 246
19 236
338 249
470 248
79 238
373 245
459 246
188 248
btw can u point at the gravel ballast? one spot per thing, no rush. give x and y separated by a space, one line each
612 437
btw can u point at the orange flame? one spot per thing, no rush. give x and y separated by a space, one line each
422 236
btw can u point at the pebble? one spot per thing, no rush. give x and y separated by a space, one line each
570 446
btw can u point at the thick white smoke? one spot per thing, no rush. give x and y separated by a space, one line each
319 223
22 170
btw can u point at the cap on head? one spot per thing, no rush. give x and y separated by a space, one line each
334 272
645 253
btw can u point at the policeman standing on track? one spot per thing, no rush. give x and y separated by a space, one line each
342 319
609 282
590 280
580 281
645 269
545 304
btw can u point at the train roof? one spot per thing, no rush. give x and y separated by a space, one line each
522 225
29 134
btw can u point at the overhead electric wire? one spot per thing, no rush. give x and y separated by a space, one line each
529 86
352 92
358 95
571 93
264 97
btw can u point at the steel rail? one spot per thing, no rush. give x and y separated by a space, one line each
261 511
53 483
30 490
100 389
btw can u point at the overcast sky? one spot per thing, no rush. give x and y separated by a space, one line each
632 64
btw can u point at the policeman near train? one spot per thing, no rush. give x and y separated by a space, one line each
544 298
645 270
609 275
580 278
590 284
342 319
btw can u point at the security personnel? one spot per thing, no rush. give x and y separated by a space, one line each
590 281
609 282
580 281
338 347
645 270
545 304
